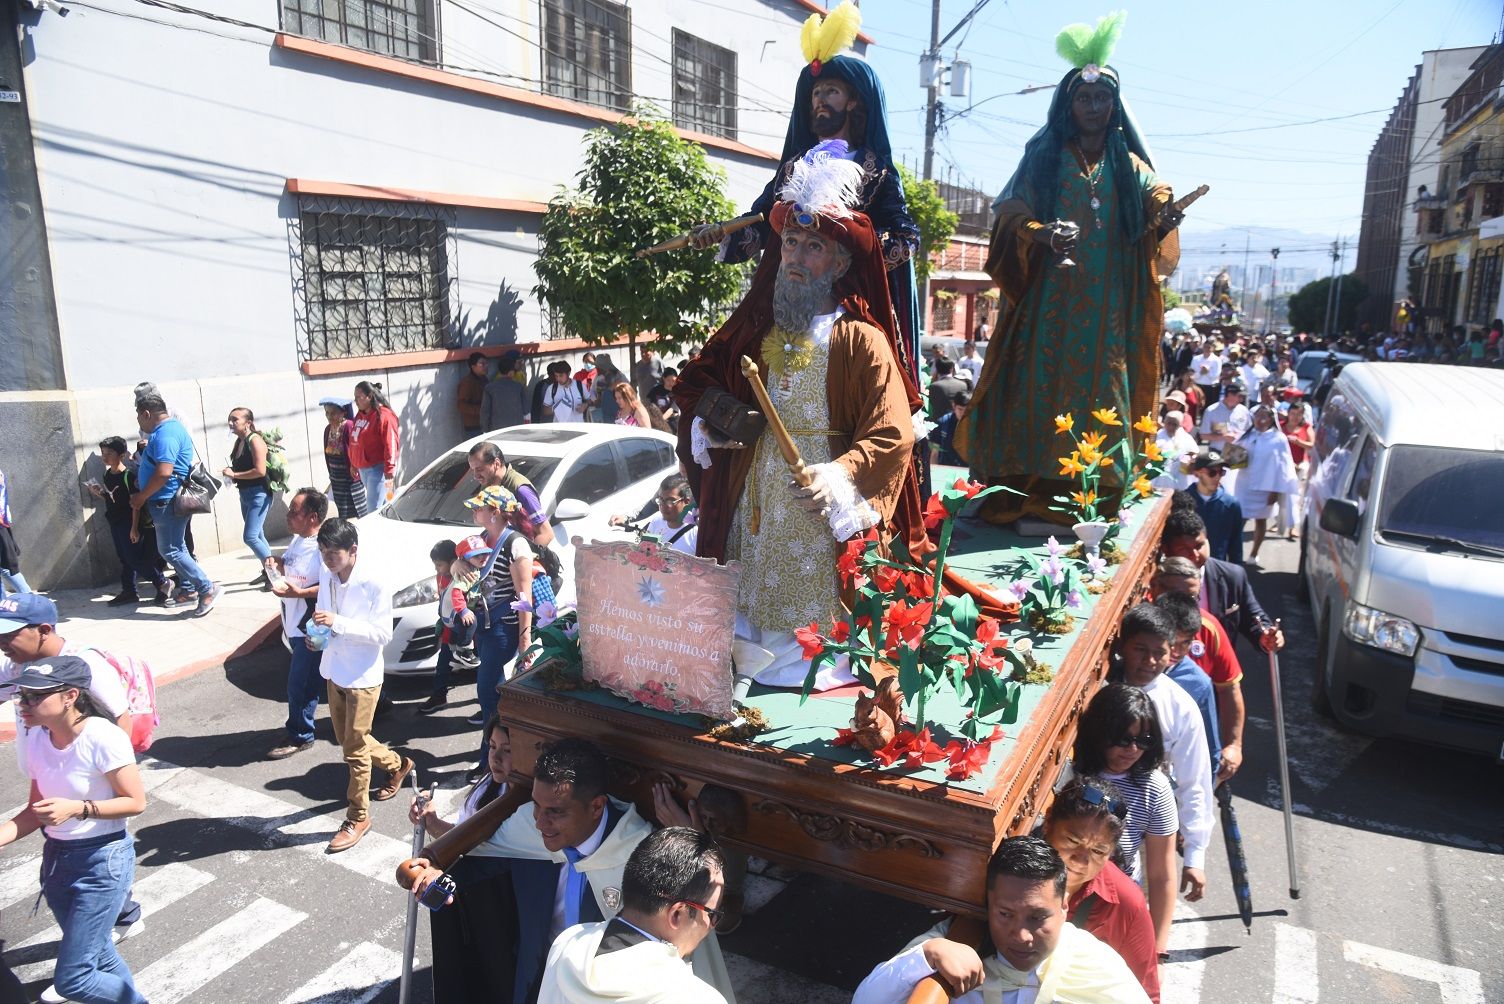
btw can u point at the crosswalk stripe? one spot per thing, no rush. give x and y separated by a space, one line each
194 963
1457 985
1180 979
355 979
19 880
1296 979
280 823
160 889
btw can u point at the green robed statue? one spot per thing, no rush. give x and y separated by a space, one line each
1085 313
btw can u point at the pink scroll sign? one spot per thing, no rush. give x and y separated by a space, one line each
656 626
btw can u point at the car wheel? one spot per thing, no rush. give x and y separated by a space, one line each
1321 702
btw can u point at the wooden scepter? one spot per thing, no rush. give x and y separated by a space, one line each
682 241
780 433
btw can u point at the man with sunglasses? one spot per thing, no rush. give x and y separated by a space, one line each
673 521
670 883
1220 510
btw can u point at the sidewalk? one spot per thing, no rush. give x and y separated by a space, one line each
172 640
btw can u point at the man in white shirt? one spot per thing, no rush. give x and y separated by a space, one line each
565 399
970 362
297 586
1206 369
351 623
1144 642
1253 372
671 892
673 524
1040 959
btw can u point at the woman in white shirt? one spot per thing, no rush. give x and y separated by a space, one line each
1269 476
84 785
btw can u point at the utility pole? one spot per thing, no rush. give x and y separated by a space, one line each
932 106
1273 275
1331 287
1337 296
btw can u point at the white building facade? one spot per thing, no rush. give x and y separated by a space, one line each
258 202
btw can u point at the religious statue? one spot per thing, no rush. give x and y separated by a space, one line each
1077 252
1221 305
840 98
818 325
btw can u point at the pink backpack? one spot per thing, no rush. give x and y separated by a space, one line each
140 697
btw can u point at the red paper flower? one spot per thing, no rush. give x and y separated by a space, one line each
840 631
934 512
886 577
905 624
971 488
847 565
966 757
809 639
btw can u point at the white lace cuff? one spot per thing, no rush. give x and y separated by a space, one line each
922 426
850 513
699 442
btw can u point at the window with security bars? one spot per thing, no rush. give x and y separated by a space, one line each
704 86
1483 293
374 284
587 52
402 28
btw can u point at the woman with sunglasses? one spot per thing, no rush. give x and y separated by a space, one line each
1083 825
1119 739
84 785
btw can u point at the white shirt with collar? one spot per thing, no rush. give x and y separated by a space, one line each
590 846
1190 764
893 981
300 566
362 609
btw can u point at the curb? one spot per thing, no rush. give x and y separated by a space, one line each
257 638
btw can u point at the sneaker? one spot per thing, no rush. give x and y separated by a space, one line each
477 720
348 835
285 751
1252 561
164 597
119 933
124 600
465 657
433 705
185 596
207 600
51 996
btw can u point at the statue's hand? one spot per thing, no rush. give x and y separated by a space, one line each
1170 218
705 235
814 497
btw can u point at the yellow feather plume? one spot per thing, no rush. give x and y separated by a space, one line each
822 38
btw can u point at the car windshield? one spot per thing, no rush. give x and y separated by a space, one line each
1310 365
1443 496
439 495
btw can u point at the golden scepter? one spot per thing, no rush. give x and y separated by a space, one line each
682 241
780 434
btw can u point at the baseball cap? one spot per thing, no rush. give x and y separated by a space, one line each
1234 387
21 609
1207 459
58 671
494 496
470 546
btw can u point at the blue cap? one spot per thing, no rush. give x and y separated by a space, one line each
58 671
21 609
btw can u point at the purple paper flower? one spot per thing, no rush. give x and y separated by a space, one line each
1073 600
546 614
1122 517
523 606
1054 570
1055 548
1019 588
573 631
1095 564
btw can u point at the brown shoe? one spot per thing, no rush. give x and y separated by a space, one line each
348 835
394 783
283 752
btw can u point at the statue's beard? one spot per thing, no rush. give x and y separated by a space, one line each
795 304
827 124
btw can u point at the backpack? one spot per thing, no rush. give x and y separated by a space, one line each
276 459
140 696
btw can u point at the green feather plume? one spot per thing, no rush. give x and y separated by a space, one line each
1082 45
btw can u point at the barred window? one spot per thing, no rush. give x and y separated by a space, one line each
402 28
704 86
587 52
943 318
375 278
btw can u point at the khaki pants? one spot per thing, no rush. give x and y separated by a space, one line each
350 712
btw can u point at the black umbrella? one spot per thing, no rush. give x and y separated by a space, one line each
1233 838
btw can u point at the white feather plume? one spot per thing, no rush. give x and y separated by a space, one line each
824 183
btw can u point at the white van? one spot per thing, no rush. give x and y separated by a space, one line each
1403 553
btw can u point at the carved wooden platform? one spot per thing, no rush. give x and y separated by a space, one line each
921 840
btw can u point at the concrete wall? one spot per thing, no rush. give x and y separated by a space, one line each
163 147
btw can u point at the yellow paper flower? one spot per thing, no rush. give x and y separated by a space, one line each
1151 452
1071 465
1094 440
1106 461
1146 425
1107 416
1143 487
1089 454
1084 500
1064 423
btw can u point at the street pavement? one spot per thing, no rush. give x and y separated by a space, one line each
1398 844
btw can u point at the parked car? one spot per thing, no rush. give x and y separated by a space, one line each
1311 368
585 474
1403 553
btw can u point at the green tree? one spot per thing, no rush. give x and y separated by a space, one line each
641 184
1308 304
1172 298
935 222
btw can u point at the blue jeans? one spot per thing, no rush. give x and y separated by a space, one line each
12 581
374 480
135 559
255 503
170 530
303 688
86 882
494 647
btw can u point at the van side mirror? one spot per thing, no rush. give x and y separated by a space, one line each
568 509
1341 516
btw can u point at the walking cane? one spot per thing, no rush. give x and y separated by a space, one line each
1284 768
410 945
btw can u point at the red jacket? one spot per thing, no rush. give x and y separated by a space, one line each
1119 918
373 440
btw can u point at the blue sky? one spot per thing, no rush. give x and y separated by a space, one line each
1193 74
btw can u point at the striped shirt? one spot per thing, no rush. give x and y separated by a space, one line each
1151 810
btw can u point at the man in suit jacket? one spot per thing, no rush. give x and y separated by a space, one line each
1226 595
